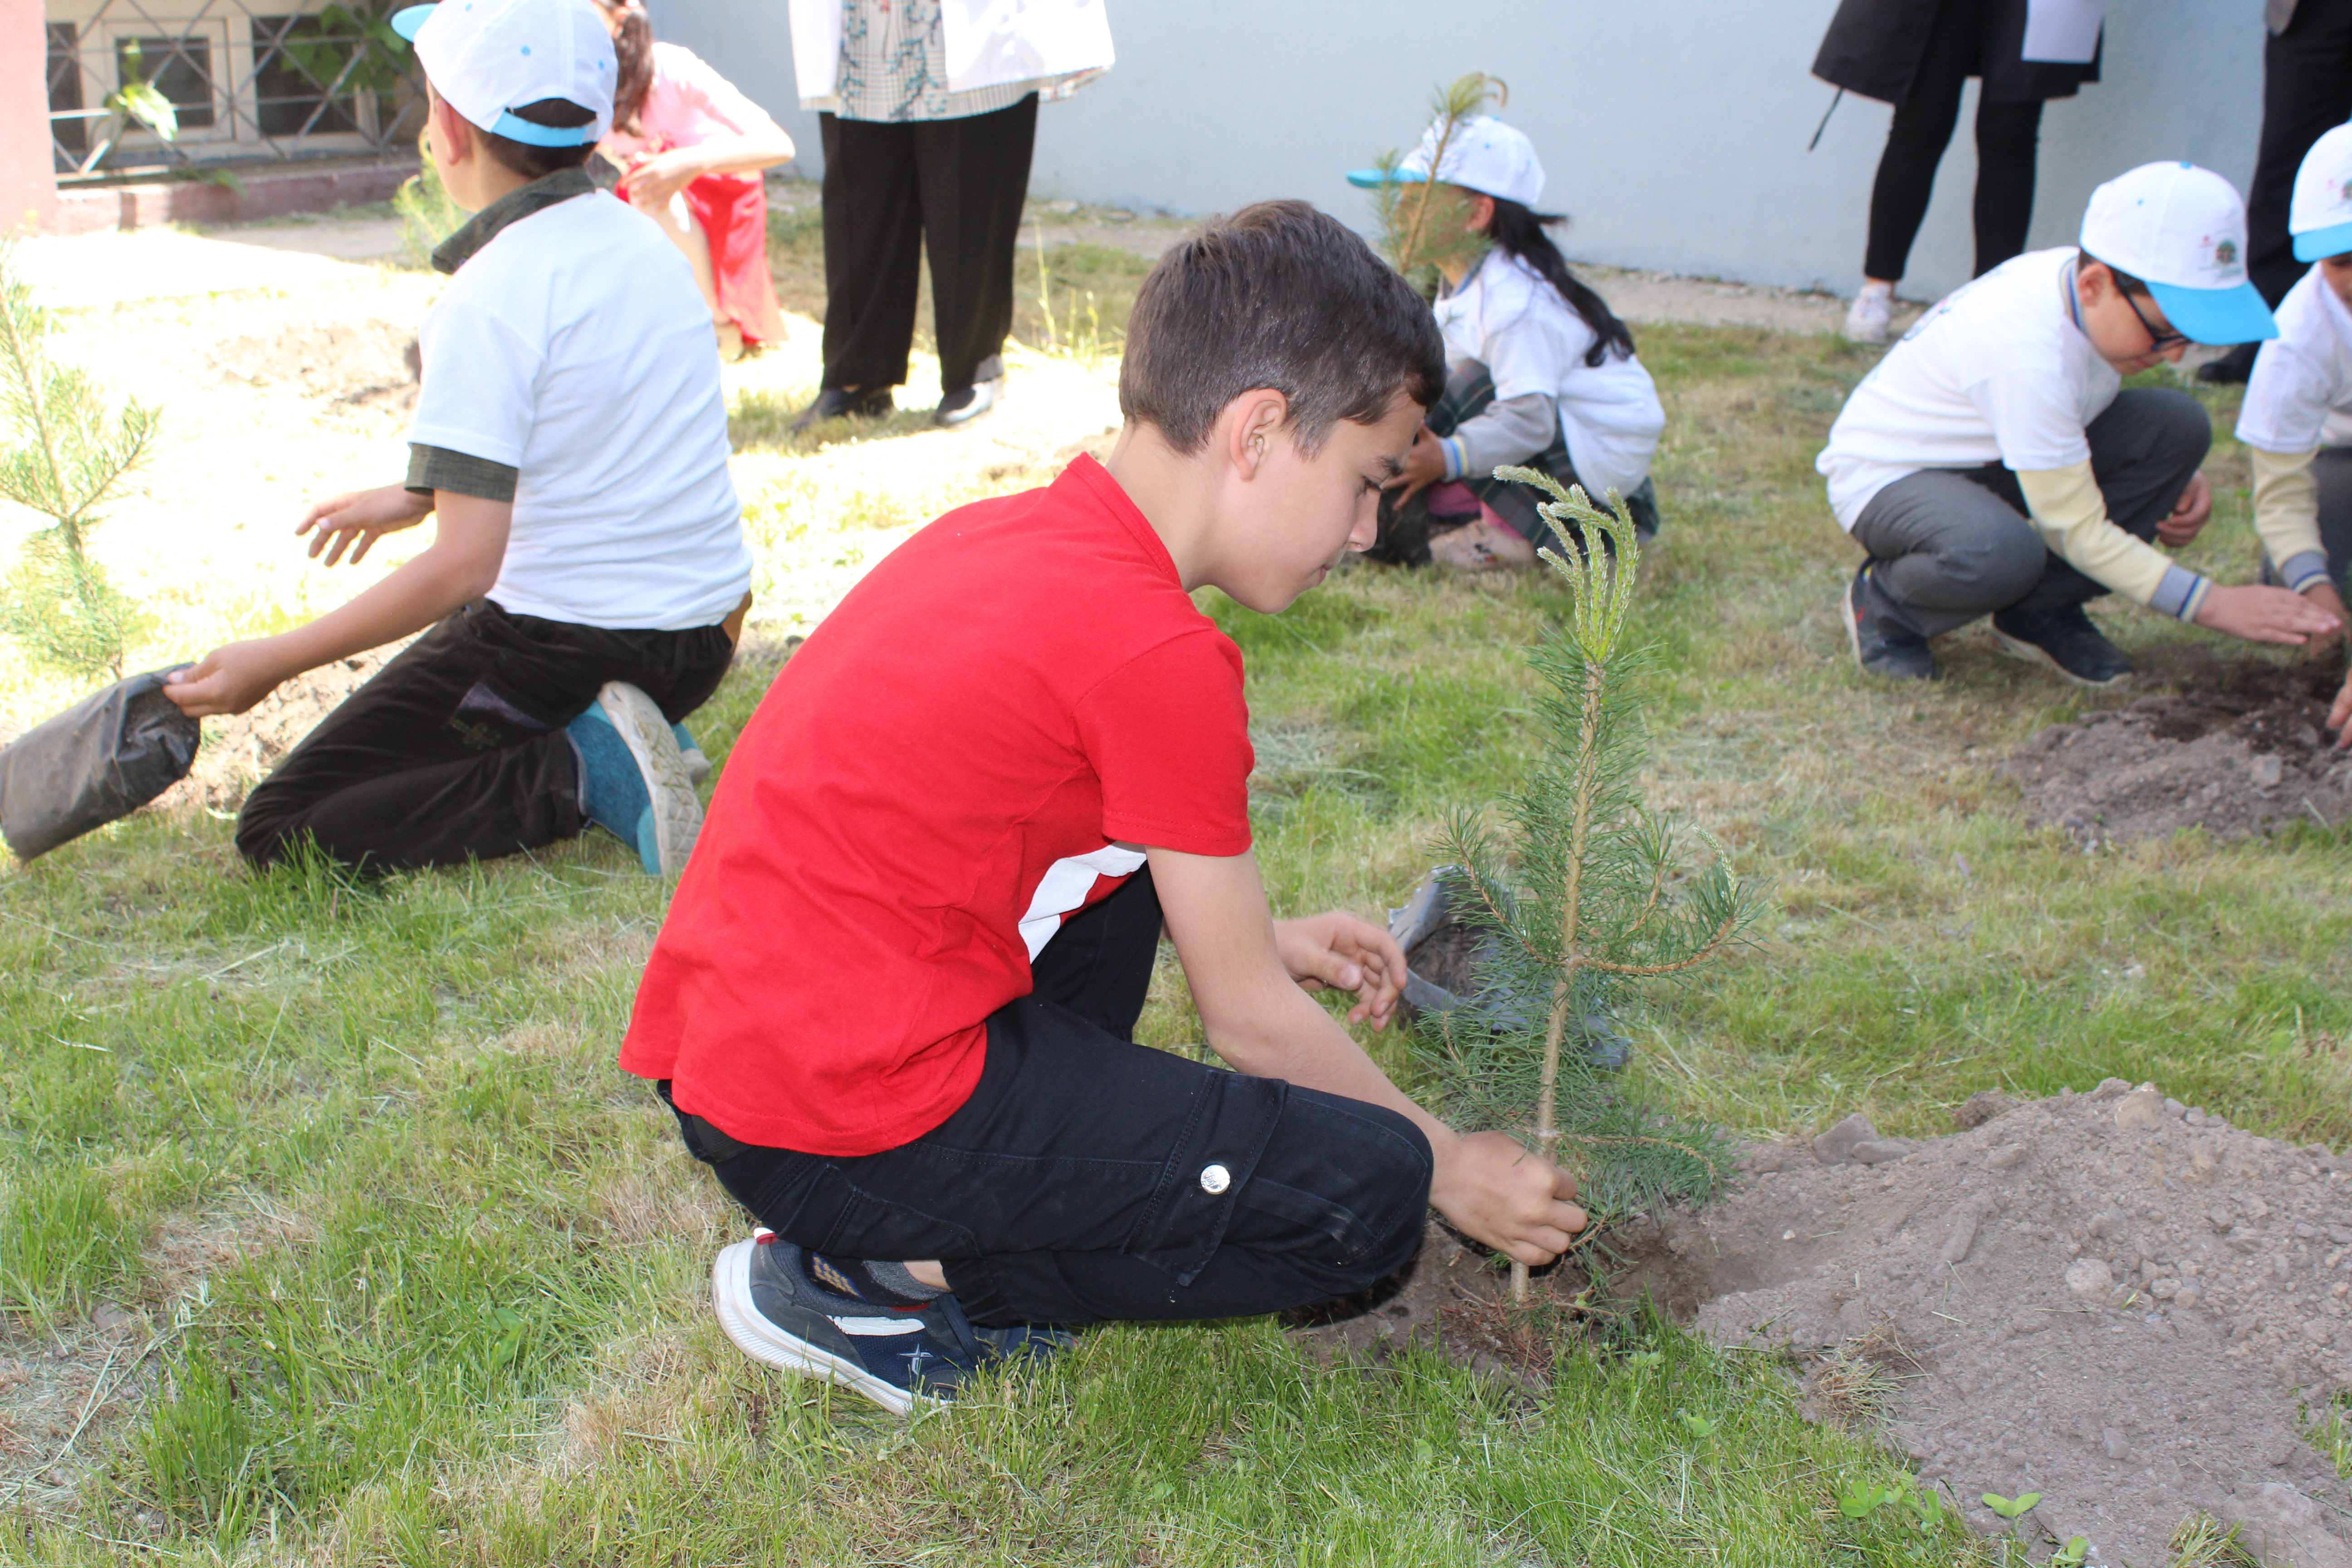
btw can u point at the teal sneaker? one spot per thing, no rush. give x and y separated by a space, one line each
633 778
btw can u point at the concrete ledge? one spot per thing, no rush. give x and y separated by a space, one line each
268 192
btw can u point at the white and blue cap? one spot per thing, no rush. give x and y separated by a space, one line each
1484 155
2182 231
490 58
2320 217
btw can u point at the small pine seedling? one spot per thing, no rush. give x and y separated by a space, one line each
67 455
1420 220
1592 894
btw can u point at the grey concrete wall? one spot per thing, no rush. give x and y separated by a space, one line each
1673 131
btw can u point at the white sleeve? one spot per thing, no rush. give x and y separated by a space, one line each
2287 399
480 388
1535 352
2032 422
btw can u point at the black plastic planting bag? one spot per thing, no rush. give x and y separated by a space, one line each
103 758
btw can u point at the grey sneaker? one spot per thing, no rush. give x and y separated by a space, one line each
898 1358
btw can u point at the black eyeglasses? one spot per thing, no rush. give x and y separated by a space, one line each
2158 343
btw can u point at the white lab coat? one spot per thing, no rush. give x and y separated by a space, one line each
989 42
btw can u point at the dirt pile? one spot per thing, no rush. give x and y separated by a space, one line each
237 751
358 359
2110 1299
2241 749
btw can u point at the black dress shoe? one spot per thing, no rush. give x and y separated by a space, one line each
2231 369
966 404
834 402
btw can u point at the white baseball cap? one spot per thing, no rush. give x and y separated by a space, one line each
490 58
2182 231
1482 155
2321 217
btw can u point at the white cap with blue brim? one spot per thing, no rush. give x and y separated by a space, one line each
1484 154
489 58
2320 215
2181 230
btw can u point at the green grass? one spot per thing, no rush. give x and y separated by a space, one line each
430 1268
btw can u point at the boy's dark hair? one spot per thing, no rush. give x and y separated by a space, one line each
1276 295
538 163
1518 231
2135 287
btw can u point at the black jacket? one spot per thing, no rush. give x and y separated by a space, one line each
1874 48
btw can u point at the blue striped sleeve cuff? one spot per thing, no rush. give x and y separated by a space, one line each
1456 460
2181 594
2304 568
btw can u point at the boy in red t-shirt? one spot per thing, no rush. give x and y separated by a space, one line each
894 1003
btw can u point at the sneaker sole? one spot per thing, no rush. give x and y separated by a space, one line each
2031 653
731 1297
677 810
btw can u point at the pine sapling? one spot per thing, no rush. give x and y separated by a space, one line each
1420 219
1590 894
67 455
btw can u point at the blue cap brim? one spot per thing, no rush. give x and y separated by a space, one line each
1373 179
2216 315
408 18
2322 243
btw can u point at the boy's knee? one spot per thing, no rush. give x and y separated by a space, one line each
1999 572
1344 1190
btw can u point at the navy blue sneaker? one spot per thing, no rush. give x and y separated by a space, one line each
1879 645
2065 640
633 782
897 1357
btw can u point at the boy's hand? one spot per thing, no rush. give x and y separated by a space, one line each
363 516
2259 613
2340 717
229 679
2188 513
2328 645
1497 1193
1339 951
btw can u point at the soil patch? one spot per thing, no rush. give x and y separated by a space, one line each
238 751
2112 1299
2240 749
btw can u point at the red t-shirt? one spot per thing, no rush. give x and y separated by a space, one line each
942 771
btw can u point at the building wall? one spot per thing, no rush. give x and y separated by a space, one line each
28 190
1674 131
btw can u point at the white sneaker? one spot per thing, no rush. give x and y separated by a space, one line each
1871 317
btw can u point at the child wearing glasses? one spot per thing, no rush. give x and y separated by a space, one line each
1994 463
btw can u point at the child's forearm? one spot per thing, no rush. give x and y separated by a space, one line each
458 568
742 154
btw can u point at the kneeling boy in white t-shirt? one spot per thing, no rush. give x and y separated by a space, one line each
571 436
1992 465
2297 418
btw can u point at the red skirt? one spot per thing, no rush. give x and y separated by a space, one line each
733 212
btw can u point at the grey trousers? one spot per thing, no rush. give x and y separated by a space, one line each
1947 545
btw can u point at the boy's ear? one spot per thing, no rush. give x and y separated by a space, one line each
453 133
1252 422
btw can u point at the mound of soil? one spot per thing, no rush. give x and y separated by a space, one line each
238 751
359 359
2241 749
2109 1298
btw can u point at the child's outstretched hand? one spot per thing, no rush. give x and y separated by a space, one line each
362 517
1348 954
229 679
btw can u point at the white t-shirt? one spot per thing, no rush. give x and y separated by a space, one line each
1997 372
575 348
2300 396
1509 318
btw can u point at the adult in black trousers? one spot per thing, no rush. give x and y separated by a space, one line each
891 188
2306 93
1919 55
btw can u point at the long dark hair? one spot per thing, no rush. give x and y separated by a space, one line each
1519 231
633 44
